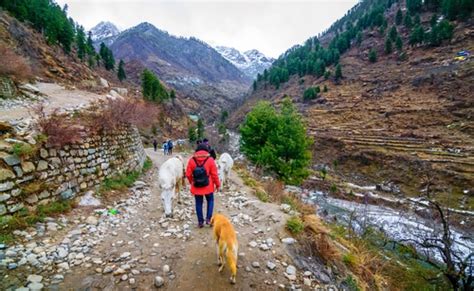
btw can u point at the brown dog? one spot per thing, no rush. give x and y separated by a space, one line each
226 242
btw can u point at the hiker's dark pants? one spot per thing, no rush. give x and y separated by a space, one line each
170 151
210 206
154 146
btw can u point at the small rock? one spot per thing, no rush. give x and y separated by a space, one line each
271 265
307 281
92 220
166 269
35 286
291 270
34 278
159 281
118 272
256 264
288 240
125 255
253 244
132 281
124 277
307 273
108 269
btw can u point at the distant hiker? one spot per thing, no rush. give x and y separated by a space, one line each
165 148
170 147
201 172
210 149
198 142
155 144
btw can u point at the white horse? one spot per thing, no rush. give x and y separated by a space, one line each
170 176
224 165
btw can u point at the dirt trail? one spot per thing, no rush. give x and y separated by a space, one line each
56 97
153 242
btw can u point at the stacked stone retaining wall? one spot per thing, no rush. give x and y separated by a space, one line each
53 174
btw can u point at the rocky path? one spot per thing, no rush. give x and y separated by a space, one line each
139 249
53 96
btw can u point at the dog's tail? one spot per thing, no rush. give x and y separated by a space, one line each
231 254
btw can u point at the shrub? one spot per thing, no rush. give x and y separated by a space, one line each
120 182
262 196
147 165
14 65
58 129
23 150
333 188
277 141
311 93
372 56
350 260
294 225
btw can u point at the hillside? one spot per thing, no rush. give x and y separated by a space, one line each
188 65
403 120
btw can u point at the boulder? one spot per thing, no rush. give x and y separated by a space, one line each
103 82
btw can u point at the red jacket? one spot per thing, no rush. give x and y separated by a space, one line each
211 170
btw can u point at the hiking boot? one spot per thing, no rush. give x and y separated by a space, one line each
208 222
201 225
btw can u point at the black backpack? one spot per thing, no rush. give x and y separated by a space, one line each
200 177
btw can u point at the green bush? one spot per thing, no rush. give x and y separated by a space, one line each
23 150
372 56
277 141
262 196
294 225
349 259
120 182
311 93
147 165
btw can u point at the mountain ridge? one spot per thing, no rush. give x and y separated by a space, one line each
251 62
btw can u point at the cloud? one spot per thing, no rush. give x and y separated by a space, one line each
269 26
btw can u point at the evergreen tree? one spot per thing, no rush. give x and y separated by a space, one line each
152 89
325 89
121 71
90 45
408 21
327 74
81 43
200 129
192 134
311 93
372 56
399 43
388 46
359 38
417 35
172 95
393 33
254 85
414 6
277 141
417 20
338 73
399 17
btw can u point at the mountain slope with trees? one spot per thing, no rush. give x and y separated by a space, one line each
386 93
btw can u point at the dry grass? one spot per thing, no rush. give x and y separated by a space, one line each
317 238
14 65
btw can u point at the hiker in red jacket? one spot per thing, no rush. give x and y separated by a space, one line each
201 172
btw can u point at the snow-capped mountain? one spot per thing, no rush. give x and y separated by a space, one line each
250 62
103 30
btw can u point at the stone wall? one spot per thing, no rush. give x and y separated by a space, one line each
52 174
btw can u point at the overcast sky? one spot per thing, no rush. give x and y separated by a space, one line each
271 26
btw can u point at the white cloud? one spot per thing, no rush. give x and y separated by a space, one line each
269 26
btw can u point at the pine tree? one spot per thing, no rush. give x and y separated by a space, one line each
408 21
81 43
417 35
90 45
172 95
414 5
200 128
399 43
388 46
325 89
121 71
393 33
254 85
399 17
359 38
152 89
372 56
338 73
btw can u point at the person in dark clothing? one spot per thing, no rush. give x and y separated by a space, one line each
210 149
170 147
155 144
